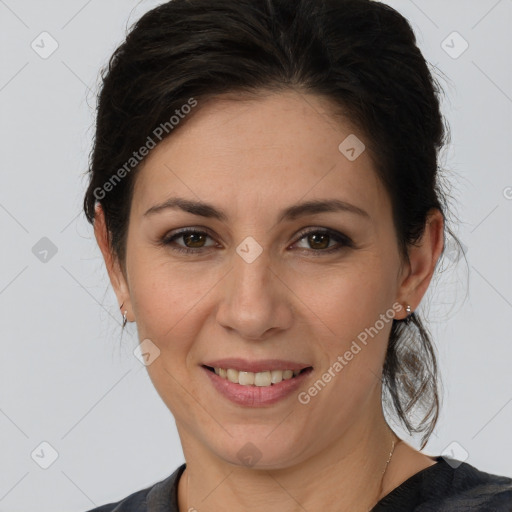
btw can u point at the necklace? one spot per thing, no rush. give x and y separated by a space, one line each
381 480
385 469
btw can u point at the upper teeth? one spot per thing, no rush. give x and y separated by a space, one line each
256 379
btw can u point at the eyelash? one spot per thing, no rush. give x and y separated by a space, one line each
334 235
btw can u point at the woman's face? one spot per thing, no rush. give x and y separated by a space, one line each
261 286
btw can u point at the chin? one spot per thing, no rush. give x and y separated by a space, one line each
259 451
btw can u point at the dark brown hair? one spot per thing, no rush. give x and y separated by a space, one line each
360 54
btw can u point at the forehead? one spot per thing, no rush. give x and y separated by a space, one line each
272 150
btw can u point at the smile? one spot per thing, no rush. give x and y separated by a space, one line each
259 388
260 379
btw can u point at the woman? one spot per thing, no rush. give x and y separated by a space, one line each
264 189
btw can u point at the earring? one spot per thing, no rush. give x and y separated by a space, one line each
125 320
408 309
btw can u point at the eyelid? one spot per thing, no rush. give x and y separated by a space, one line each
174 235
337 236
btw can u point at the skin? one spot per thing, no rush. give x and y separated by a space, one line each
252 159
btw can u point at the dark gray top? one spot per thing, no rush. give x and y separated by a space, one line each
444 487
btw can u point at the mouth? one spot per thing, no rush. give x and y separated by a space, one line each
265 378
272 381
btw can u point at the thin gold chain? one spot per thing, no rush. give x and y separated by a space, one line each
384 472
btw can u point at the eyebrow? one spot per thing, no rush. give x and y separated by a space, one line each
290 213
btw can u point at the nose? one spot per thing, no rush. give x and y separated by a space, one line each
255 302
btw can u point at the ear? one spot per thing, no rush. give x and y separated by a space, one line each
423 258
117 278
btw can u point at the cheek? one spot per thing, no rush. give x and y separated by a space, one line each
348 299
167 304
165 296
356 317
351 312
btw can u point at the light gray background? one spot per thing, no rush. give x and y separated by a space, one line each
67 378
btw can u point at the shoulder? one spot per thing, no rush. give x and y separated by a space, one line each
161 496
478 490
450 486
136 502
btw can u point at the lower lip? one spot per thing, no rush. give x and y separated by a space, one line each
256 396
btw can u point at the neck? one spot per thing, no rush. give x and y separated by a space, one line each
348 475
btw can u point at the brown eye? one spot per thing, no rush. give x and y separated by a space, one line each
319 241
193 240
